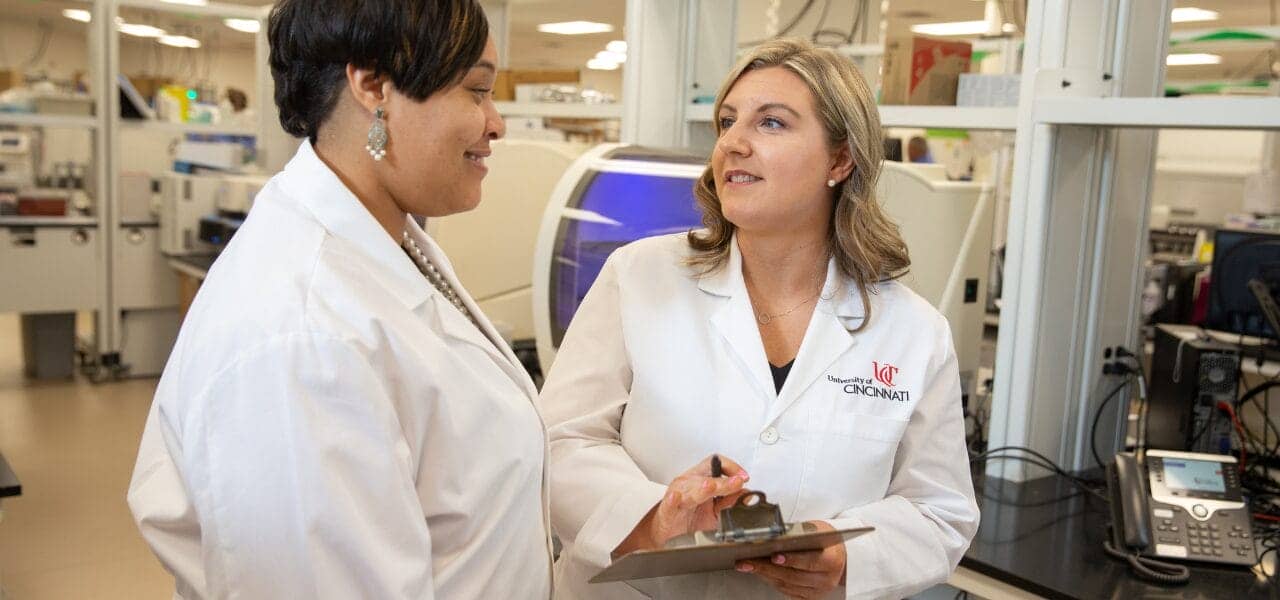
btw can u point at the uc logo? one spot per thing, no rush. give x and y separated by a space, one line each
884 373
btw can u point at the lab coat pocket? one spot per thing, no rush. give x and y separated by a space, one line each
868 427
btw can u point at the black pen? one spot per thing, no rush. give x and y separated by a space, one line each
717 470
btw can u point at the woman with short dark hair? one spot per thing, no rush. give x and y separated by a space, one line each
338 419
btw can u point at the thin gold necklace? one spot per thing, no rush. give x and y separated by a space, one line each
765 319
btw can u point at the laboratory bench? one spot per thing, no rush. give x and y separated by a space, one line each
1043 538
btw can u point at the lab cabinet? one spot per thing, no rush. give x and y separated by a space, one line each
141 276
49 268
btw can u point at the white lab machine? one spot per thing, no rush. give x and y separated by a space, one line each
491 245
616 194
190 203
17 165
947 227
612 195
184 199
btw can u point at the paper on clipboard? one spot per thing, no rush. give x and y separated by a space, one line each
702 553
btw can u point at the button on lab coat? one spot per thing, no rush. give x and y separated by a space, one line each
660 369
329 426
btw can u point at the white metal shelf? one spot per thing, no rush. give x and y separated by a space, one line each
45 120
938 117
1157 113
183 128
20 221
950 117
564 110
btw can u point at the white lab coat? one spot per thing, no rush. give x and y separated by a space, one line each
660 369
329 426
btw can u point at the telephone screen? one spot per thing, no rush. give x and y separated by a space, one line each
1193 475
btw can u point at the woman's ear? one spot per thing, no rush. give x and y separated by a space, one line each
370 89
841 163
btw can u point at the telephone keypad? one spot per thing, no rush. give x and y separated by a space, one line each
1225 540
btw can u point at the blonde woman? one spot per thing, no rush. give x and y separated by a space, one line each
778 339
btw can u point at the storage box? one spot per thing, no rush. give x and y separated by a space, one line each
987 90
923 71
43 203
60 103
9 78
504 88
147 85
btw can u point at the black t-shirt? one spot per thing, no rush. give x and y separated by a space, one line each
780 374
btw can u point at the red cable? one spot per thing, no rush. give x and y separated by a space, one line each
1239 429
1265 517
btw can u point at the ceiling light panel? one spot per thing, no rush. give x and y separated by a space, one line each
953 28
1188 59
1191 14
575 28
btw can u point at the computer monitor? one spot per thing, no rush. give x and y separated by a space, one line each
893 149
132 105
1238 257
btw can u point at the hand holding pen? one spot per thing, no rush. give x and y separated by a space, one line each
693 502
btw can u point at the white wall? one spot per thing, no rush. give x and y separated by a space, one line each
752 19
609 82
66 53
1203 172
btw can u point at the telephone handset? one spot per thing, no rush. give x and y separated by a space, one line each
1130 527
1178 505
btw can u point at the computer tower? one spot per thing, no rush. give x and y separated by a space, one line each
1190 375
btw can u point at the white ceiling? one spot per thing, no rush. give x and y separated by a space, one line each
531 49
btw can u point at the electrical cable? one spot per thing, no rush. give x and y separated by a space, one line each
804 10
1093 429
46 35
859 16
1150 569
1240 428
1039 460
822 19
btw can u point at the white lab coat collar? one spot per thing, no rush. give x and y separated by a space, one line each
326 197
455 325
319 190
839 311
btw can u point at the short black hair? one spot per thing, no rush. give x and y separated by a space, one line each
423 46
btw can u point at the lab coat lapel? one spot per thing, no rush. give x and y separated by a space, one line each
457 326
735 321
315 186
828 337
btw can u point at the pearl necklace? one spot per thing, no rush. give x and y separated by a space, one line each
434 276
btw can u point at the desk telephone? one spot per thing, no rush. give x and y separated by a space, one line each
1182 506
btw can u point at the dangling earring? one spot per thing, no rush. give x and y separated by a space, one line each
831 183
377 145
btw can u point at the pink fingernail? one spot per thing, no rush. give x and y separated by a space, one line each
745 568
779 559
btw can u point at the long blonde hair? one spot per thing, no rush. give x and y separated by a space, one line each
866 244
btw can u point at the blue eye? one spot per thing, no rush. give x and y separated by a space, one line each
725 123
772 123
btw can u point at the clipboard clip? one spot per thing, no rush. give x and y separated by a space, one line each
752 518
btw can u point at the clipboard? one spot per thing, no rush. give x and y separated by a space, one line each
747 530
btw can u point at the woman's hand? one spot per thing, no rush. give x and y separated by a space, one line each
693 502
803 575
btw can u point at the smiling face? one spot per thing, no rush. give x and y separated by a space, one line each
772 160
437 146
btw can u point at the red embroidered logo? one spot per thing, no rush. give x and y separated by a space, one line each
884 373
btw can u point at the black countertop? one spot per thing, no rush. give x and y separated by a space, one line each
9 485
1045 536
